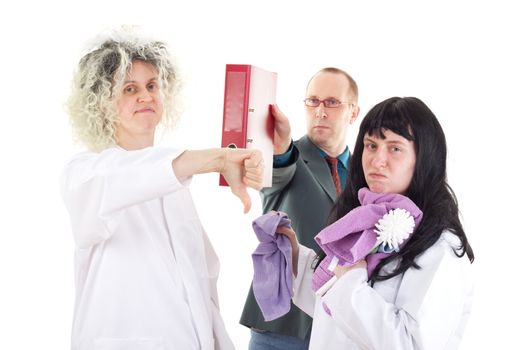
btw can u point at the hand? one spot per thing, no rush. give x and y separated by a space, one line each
282 135
243 168
339 270
288 232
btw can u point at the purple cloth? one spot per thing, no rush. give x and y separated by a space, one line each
272 266
352 237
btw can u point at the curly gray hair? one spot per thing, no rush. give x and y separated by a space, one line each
98 82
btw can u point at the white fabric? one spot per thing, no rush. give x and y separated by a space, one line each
145 271
421 309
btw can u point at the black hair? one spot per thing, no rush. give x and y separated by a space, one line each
428 189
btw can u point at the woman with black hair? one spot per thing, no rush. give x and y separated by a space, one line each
418 294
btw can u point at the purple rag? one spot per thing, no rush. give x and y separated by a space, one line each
352 237
272 266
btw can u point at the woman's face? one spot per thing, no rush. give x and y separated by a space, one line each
139 109
388 164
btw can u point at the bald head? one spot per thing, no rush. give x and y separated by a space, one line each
352 91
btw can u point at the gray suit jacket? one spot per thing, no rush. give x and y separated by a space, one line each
306 192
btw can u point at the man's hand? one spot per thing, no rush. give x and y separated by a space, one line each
282 135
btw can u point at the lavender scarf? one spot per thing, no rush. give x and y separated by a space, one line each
352 237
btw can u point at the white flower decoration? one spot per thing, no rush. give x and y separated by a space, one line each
394 228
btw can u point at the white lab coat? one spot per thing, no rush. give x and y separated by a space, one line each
420 309
145 271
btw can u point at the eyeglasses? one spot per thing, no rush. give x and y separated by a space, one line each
328 102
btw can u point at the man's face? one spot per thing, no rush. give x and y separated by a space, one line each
327 127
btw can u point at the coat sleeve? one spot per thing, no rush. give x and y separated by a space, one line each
97 187
280 179
304 296
429 310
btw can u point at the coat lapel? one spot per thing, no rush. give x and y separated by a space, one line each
317 166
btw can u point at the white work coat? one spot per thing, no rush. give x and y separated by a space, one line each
420 309
145 271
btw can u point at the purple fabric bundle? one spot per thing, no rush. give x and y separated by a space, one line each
352 237
272 266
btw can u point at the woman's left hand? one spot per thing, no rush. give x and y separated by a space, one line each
290 233
339 270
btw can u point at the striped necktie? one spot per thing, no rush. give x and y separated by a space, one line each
335 175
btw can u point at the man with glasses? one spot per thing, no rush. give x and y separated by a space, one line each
308 174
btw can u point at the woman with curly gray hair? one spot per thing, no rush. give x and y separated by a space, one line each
145 270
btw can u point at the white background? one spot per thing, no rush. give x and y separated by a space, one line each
464 59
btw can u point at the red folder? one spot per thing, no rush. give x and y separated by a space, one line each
247 122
